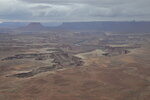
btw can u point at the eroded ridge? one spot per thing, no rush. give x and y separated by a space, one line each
60 60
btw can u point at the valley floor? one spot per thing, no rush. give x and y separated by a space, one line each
81 74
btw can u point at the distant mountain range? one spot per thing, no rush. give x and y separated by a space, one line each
110 26
35 26
12 24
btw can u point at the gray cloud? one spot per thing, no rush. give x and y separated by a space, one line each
74 10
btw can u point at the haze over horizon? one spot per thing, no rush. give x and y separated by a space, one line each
73 10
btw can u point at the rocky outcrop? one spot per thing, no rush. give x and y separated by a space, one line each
39 56
61 60
114 51
34 72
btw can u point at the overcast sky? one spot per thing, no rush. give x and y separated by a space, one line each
73 10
